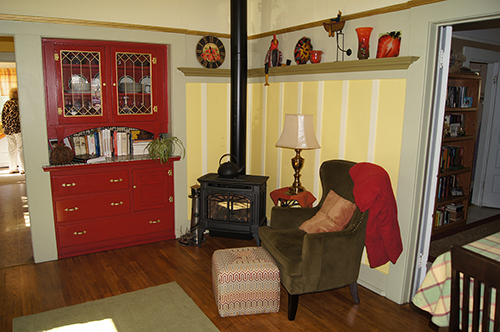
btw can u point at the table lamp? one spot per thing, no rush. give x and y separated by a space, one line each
298 134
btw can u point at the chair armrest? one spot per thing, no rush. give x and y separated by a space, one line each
332 259
285 217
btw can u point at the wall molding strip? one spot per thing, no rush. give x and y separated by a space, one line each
57 20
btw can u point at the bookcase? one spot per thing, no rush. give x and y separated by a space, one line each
457 152
98 96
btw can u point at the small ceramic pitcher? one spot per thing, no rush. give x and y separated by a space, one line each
316 56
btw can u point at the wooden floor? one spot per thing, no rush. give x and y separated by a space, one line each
15 233
27 288
34 288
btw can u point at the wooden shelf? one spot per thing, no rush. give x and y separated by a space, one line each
453 172
458 138
460 110
397 63
450 200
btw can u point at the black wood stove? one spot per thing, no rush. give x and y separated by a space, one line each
235 206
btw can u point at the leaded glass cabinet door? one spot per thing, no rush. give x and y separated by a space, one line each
135 89
81 85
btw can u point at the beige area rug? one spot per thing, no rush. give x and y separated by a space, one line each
161 308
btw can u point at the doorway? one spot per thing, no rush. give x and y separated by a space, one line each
487 35
15 231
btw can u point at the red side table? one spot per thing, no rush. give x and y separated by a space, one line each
281 198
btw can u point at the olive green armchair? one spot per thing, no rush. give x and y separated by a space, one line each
317 262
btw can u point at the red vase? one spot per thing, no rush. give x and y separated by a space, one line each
364 42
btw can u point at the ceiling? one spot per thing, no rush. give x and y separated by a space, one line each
487 31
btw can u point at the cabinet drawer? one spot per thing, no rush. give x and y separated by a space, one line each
92 207
90 182
112 229
73 235
152 222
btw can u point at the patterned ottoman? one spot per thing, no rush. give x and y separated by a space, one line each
246 281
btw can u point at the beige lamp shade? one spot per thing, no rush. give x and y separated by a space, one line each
298 133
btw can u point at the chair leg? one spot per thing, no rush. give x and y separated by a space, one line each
293 303
354 291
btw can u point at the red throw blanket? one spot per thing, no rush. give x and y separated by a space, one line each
373 191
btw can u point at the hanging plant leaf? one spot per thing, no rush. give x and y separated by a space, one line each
162 149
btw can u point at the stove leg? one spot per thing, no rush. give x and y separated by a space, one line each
201 230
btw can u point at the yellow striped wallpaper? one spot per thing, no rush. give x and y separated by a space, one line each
358 120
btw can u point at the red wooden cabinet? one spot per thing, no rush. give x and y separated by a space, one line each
92 84
97 84
112 205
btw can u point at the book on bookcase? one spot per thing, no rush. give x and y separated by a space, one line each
108 142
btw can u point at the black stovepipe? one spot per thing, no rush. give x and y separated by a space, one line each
239 65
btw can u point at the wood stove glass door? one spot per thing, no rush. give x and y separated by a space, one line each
229 207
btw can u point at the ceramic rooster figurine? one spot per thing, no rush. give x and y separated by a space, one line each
274 56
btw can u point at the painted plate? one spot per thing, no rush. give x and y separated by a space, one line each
77 79
126 79
303 50
146 80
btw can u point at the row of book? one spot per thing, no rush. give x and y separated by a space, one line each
451 157
449 213
449 186
107 142
457 97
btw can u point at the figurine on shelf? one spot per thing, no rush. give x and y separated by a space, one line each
266 70
335 24
274 57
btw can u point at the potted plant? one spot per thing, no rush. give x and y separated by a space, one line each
162 148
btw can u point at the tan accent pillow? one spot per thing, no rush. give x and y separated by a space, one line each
334 215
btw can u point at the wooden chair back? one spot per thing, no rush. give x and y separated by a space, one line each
484 274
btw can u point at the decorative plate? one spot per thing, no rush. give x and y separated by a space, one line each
126 79
146 80
77 79
146 84
303 50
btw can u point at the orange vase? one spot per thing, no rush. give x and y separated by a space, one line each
364 42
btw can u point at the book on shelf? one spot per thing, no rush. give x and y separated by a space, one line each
451 157
456 211
457 97
108 142
449 213
139 146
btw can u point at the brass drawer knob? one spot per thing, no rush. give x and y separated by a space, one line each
171 199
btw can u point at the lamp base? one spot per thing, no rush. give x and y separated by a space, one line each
295 190
297 164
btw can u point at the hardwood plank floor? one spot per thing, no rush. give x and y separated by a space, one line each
15 234
33 288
